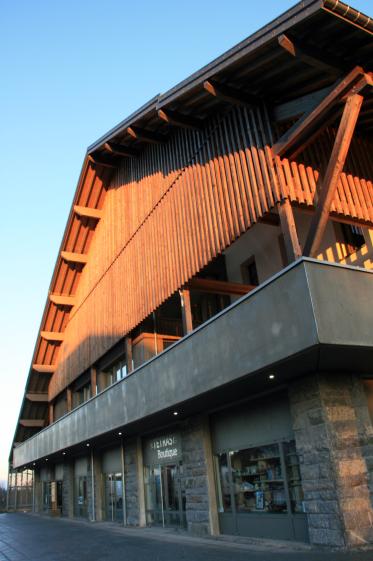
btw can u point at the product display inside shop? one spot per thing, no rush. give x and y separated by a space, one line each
261 479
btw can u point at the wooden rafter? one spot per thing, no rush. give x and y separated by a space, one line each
102 161
37 397
219 287
52 336
314 122
32 423
297 107
311 55
120 150
71 257
179 120
62 300
332 174
146 136
230 95
44 368
87 212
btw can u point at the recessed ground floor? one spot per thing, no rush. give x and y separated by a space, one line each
291 463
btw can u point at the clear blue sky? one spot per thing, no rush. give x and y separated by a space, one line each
70 70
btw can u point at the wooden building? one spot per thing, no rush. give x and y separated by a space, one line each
205 354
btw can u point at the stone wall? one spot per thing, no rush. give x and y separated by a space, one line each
68 490
195 478
329 419
131 483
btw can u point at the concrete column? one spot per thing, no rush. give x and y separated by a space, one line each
68 490
327 413
140 483
38 492
98 487
131 482
213 505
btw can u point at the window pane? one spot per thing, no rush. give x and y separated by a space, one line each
258 481
223 483
293 475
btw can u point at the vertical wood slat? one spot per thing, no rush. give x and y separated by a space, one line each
176 207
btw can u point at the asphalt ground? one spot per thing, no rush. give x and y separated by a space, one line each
25 537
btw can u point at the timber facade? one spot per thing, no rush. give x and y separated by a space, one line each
204 359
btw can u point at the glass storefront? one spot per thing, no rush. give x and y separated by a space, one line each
52 496
165 495
81 497
164 479
113 497
258 486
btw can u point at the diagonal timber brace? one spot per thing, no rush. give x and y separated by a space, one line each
335 167
310 125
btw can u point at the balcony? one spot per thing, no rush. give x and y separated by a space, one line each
311 316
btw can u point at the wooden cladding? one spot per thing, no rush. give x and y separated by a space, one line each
177 206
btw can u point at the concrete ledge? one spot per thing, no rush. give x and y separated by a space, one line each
305 318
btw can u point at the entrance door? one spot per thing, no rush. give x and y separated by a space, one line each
81 497
114 497
165 495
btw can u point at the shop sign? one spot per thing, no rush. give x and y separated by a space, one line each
165 449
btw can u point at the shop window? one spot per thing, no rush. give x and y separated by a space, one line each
47 496
262 479
258 480
249 272
353 237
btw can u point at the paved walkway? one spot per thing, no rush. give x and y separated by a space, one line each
25 537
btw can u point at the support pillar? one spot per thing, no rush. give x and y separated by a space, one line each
93 381
289 231
68 490
69 399
333 467
140 483
212 500
128 349
186 311
123 483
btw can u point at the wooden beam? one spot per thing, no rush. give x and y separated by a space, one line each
69 399
52 336
296 107
120 150
128 347
62 300
32 423
219 287
37 397
270 218
93 381
300 133
70 257
44 368
146 136
51 413
335 167
102 161
179 120
289 231
311 55
186 311
88 212
230 95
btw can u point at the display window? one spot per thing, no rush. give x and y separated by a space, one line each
264 479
